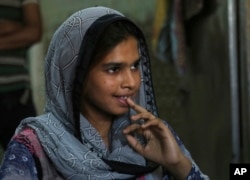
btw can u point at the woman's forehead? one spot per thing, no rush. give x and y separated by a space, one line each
125 52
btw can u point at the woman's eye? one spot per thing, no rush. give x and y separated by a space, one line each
136 65
113 69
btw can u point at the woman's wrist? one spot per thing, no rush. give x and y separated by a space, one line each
180 169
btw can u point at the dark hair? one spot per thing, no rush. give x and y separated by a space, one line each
113 35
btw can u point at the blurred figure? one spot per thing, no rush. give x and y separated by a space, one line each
20 28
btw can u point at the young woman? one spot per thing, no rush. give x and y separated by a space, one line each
100 120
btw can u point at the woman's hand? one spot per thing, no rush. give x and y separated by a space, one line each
161 145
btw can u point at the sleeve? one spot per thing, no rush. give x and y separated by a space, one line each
195 172
18 163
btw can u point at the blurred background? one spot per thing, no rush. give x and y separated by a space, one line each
201 70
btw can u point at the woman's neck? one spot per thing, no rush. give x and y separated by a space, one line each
102 125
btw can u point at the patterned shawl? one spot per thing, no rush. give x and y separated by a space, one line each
67 59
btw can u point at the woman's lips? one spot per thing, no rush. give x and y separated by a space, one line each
123 100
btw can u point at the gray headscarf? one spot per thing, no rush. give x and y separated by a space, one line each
56 129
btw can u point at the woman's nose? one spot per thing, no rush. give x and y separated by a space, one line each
129 79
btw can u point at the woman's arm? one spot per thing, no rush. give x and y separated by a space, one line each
26 159
18 163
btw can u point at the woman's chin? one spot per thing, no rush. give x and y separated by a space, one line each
121 112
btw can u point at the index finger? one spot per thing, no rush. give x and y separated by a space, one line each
135 106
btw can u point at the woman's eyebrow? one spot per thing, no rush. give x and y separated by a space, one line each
119 64
110 64
138 60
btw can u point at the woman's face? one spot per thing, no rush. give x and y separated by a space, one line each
110 81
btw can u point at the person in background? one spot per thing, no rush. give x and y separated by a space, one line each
100 120
20 28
